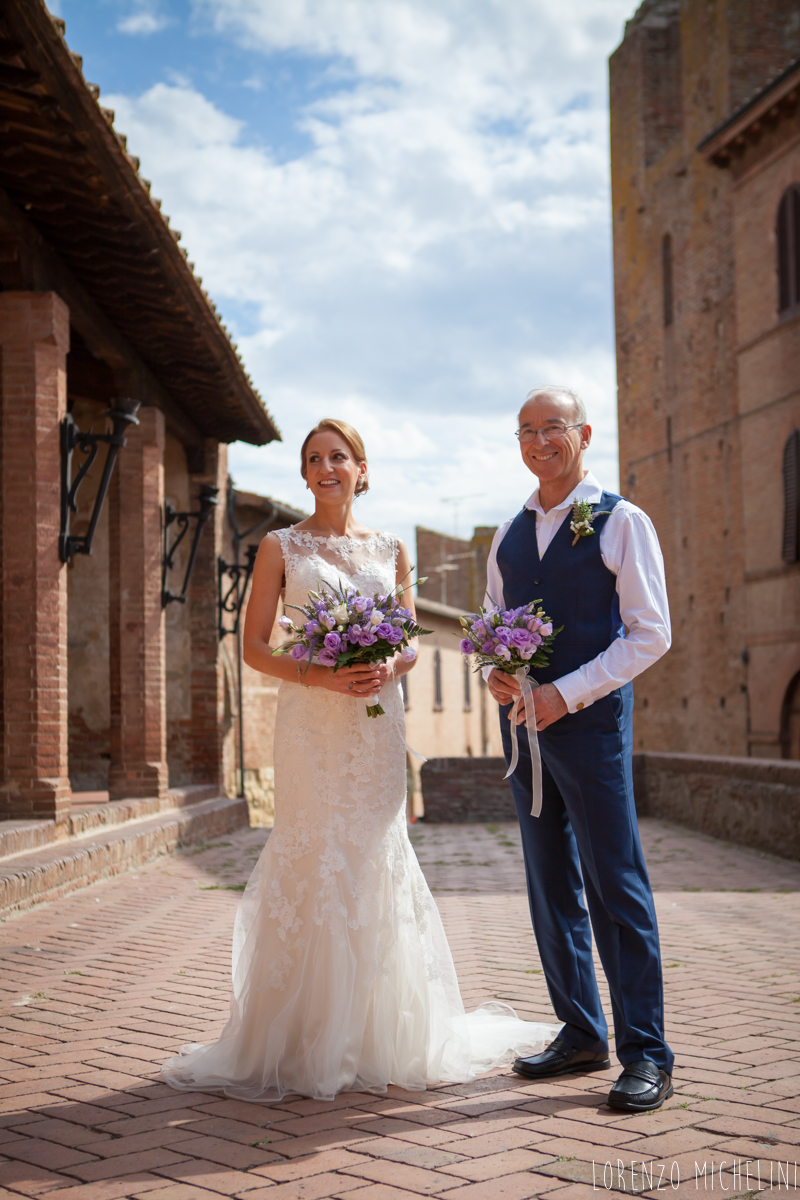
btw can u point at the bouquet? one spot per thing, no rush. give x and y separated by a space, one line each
514 640
509 638
340 628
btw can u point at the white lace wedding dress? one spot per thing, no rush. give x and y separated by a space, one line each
342 976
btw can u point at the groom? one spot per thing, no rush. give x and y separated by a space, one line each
606 588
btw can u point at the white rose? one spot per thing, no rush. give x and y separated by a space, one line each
340 613
376 617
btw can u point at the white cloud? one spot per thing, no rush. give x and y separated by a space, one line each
144 20
439 248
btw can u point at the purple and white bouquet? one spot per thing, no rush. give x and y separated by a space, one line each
341 628
509 638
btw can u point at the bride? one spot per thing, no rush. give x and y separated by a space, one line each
342 976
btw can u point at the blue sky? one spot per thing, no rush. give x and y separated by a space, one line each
401 208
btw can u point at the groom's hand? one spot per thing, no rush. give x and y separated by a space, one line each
549 704
503 688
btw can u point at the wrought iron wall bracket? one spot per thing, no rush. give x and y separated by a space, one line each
122 414
208 499
233 581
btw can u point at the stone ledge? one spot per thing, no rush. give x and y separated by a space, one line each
752 801
24 836
466 789
52 871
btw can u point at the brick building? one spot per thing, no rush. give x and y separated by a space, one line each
107 685
454 568
705 146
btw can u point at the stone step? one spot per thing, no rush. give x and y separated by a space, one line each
51 871
23 836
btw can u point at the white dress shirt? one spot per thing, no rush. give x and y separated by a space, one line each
629 549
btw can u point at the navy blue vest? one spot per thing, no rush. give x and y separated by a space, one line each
574 585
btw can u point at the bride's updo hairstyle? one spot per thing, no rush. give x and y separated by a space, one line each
350 435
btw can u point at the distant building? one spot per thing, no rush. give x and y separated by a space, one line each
705 150
454 568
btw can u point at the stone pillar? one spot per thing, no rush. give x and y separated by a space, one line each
208 699
34 341
136 620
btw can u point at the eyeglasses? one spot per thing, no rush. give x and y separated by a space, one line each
552 432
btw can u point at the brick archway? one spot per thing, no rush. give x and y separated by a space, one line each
790 720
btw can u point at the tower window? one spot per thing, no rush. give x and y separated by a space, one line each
791 498
788 238
666 277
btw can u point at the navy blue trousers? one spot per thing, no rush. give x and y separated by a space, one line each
586 840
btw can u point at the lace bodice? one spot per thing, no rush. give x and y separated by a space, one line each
312 559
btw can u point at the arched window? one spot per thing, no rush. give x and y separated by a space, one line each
666 277
788 236
791 498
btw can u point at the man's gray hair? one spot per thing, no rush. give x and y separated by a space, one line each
555 391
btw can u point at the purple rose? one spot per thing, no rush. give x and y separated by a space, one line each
547 629
383 630
507 617
534 623
312 627
333 642
326 620
503 635
519 637
366 638
537 639
328 658
359 604
487 647
299 652
467 647
353 634
479 630
395 636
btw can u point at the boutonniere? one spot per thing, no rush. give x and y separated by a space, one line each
583 516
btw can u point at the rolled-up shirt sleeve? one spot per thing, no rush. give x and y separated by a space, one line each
629 548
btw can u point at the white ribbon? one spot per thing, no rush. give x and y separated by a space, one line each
367 723
526 686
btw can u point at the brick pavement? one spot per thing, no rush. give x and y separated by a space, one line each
97 989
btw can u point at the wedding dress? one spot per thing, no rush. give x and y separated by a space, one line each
342 976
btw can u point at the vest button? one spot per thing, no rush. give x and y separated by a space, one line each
579 706
537 581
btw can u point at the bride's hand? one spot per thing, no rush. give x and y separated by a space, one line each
362 679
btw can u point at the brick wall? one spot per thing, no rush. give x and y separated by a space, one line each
466 789
707 480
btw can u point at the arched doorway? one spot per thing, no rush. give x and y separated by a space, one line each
790 720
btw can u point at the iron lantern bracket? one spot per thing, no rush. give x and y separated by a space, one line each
208 500
122 414
234 579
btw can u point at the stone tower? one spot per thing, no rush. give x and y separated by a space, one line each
705 137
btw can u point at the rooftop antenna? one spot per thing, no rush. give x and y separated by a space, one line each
456 502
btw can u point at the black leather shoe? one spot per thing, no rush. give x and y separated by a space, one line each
641 1087
560 1059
